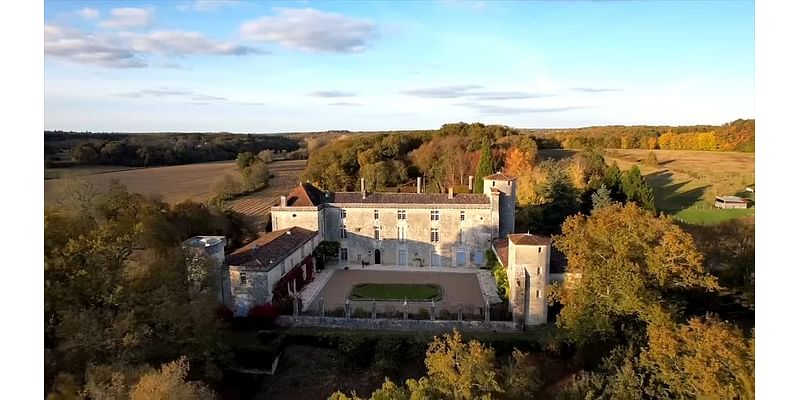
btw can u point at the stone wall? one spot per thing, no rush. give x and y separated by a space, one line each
396 324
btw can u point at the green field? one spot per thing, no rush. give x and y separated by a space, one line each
700 216
396 291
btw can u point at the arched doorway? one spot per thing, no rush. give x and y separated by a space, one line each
377 256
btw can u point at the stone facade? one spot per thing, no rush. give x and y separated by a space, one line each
410 229
527 261
261 280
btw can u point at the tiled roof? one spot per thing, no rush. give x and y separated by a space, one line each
500 177
305 195
270 248
528 239
501 248
407 198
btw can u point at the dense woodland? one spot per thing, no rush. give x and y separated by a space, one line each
144 150
739 135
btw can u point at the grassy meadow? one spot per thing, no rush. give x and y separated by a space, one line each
396 291
685 182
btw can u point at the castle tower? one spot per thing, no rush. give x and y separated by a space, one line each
205 255
528 275
502 189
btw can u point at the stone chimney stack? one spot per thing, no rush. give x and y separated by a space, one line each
419 184
283 201
363 189
450 193
471 178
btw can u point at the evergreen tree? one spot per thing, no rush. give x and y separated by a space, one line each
601 198
484 166
613 181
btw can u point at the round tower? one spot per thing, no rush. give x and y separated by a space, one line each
502 190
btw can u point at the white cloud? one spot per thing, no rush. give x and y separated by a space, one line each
311 30
128 50
178 43
167 92
88 13
332 93
84 48
208 5
127 18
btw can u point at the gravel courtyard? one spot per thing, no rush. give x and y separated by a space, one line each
457 287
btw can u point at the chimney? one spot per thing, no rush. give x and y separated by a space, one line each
471 178
450 193
363 190
419 184
283 201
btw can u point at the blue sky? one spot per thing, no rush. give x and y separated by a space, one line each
303 66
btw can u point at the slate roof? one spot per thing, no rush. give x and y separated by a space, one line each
273 246
407 198
528 239
500 177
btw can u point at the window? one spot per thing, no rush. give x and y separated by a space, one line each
492 183
402 257
377 233
343 232
242 278
435 215
434 235
377 214
401 214
343 254
463 215
538 270
478 257
538 294
460 235
344 213
461 258
401 233
540 249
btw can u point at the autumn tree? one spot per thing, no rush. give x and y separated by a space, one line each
652 160
627 260
170 383
459 370
484 166
704 358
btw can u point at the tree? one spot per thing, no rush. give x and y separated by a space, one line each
484 166
459 371
628 261
705 358
243 160
265 156
170 383
601 198
652 160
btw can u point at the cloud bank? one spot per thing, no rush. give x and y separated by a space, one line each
311 30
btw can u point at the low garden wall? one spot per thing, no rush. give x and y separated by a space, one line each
386 324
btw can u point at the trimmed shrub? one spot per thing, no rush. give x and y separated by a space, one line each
423 314
360 313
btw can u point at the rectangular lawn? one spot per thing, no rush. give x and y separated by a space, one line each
396 291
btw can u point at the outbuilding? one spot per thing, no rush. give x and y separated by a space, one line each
730 202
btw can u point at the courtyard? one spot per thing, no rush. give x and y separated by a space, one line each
455 287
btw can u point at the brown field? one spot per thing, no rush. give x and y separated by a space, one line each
256 206
73 172
186 182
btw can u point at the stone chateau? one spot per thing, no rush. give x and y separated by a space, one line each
448 230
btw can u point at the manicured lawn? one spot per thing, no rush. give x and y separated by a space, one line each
396 291
712 215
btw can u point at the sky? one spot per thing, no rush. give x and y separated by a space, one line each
261 67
